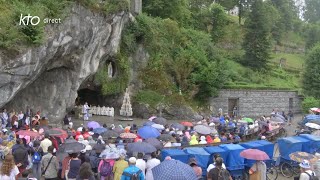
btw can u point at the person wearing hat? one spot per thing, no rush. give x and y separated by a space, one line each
132 170
197 170
213 165
306 172
119 166
202 140
218 172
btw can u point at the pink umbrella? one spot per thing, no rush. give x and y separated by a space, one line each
254 154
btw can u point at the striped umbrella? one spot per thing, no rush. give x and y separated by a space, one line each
300 156
128 136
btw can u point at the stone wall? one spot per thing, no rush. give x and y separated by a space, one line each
257 102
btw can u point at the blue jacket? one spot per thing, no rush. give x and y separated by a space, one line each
131 170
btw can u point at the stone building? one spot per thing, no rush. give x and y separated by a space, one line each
254 103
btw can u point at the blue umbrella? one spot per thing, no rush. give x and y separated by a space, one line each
100 130
140 147
148 123
173 169
148 132
178 126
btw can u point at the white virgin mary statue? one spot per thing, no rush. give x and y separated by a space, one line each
110 70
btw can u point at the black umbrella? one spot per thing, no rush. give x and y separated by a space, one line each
73 147
140 147
160 120
110 134
53 132
99 147
154 142
178 126
167 138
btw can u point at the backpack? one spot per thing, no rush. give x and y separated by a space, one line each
106 169
134 176
36 158
312 177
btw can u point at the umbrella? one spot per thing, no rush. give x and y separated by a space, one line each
93 124
248 120
128 135
313 125
315 121
64 133
177 126
148 132
53 132
160 120
300 156
118 130
316 133
186 123
254 154
276 119
198 117
242 122
110 134
215 119
148 123
173 169
28 133
152 118
158 126
167 138
141 147
100 130
107 154
154 142
99 147
203 129
73 147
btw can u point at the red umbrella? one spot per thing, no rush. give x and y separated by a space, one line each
64 134
28 133
186 123
254 154
128 135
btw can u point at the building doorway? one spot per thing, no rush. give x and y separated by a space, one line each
233 107
290 104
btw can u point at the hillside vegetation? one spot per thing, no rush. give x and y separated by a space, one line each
195 46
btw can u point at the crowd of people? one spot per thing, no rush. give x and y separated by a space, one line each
38 157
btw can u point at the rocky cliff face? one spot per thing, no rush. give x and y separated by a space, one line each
47 78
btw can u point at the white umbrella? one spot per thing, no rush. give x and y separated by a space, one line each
313 125
158 126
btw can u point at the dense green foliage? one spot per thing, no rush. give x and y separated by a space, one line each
312 11
311 81
181 58
310 102
257 40
12 35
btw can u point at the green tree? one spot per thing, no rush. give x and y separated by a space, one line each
228 4
312 34
312 11
177 10
311 77
288 13
244 8
257 41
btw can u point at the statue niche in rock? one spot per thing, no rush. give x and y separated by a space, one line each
110 70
